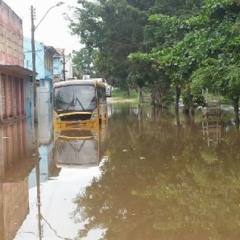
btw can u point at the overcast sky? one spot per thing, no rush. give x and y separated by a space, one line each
53 30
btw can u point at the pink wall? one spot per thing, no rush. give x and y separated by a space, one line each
11 37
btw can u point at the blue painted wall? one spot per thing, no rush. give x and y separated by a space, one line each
58 65
27 49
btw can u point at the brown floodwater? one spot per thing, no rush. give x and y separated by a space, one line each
140 177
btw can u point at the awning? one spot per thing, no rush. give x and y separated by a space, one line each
18 70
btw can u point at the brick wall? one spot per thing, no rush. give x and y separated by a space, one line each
12 97
11 37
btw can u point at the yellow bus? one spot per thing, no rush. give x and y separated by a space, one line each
78 103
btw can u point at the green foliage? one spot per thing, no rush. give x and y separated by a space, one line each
163 44
83 61
193 101
115 29
206 53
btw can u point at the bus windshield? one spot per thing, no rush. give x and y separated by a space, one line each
74 98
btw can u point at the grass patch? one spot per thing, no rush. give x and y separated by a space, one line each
117 92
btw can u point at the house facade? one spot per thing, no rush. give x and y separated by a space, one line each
58 67
63 66
18 154
68 66
15 80
44 73
44 62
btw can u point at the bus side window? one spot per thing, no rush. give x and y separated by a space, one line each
104 95
101 95
98 95
58 99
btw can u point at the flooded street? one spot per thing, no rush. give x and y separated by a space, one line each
141 177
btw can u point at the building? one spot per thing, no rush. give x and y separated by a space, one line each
44 61
44 72
63 66
58 68
15 80
68 66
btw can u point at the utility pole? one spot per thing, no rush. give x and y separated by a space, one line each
33 64
64 65
33 29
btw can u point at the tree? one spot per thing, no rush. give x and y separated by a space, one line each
219 37
208 49
162 33
115 29
84 62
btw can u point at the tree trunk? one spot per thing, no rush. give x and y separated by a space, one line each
128 92
140 96
153 99
235 102
178 94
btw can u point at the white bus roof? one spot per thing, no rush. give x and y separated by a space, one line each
91 81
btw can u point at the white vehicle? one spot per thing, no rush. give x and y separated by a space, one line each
108 90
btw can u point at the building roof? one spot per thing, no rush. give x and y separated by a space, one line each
51 49
60 51
16 69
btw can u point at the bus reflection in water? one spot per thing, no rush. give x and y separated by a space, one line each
80 120
79 147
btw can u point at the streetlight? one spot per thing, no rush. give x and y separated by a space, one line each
33 29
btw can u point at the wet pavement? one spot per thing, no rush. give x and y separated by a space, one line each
141 177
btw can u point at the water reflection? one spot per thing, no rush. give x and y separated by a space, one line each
76 155
17 159
79 147
161 181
